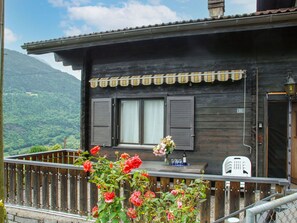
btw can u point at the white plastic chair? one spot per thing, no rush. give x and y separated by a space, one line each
237 166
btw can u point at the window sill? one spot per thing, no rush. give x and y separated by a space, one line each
129 146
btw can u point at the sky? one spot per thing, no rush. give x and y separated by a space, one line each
37 20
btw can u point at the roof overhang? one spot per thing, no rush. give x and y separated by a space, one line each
255 21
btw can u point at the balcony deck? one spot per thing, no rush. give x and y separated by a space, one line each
50 181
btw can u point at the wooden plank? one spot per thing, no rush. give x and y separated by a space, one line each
279 189
36 186
12 183
94 195
6 182
264 190
45 187
219 199
249 193
164 184
153 184
28 187
63 176
177 181
83 193
234 197
54 189
73 192
127 193
205 206
20 184
66 157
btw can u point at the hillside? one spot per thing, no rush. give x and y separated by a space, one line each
41 104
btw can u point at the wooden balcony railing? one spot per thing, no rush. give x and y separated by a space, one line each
49 180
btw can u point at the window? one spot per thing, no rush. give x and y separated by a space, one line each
141 121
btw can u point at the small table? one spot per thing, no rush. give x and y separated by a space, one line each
197 168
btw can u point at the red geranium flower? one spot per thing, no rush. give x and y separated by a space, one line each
125 156
110 165
132 213
136 199
170 215
132 163
109 197
95 211
149 194
95 150
87 165
174 192
145 174
127 169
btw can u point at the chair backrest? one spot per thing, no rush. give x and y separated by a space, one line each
237 166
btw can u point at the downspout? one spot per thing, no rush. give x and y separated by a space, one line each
289 139
257 122
244 114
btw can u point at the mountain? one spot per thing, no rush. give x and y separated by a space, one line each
41 104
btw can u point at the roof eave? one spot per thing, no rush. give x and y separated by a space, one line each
233 24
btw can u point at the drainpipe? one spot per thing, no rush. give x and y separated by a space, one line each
289 139
244 114
257 121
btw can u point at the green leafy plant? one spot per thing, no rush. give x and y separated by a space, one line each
3 208
143 205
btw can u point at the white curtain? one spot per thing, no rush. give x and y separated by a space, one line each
153 121
129 126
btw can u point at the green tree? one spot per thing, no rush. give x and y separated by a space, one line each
36 149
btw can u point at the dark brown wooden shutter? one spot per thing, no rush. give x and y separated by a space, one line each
180 121
101 125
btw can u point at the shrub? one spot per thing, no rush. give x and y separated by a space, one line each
143 206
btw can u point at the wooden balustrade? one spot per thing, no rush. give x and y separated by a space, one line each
51 181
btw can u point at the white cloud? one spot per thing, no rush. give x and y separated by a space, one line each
131 14
68 3
9 36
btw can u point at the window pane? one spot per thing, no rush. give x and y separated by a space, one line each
153 121
129 126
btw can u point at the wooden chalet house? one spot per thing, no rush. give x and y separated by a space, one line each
216 85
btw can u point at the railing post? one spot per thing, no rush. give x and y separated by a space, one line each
36 186
20 178
205 206
250 217
5 182
219 199
54 189
12 183
73 191
63 173
28 188
83 182
45 187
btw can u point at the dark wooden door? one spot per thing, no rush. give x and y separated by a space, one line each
277 139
